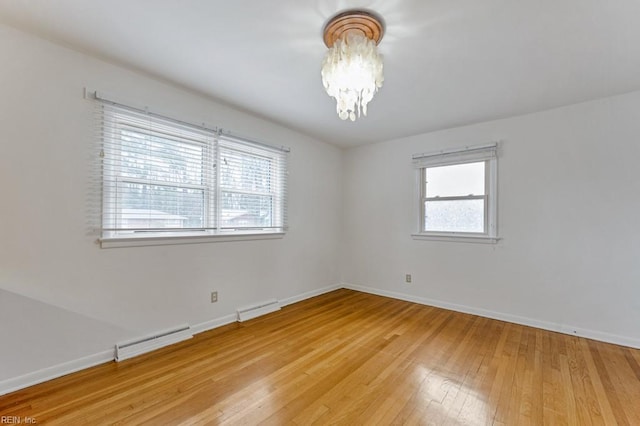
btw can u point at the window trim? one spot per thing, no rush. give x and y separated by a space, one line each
112 182
473 154
279 200
185 238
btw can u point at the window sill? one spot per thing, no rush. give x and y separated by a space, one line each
457 238
173 239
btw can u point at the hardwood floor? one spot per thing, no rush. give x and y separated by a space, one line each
353 358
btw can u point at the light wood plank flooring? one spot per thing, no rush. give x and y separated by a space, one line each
353 358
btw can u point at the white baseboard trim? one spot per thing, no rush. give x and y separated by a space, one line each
228 319
20 382
531 322
214 323
49 373
309 294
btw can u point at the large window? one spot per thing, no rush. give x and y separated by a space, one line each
165 179
458 196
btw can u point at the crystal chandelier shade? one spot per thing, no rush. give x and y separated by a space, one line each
352 70
352 74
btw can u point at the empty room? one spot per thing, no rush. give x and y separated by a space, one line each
319 212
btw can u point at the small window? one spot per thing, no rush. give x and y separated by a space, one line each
458 193
166 179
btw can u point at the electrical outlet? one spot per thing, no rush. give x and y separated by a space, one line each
214 296
407 278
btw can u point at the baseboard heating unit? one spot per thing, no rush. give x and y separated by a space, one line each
253 311
151 342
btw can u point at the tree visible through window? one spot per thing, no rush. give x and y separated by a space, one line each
162 182
247 189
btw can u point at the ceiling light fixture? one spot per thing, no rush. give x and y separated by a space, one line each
352 68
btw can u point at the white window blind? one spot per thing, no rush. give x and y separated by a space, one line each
253 186
163 177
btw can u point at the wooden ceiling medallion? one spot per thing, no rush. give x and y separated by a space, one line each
367 23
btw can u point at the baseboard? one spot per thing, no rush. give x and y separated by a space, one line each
531 322
228 319
49 373
214 323
309 294
16 383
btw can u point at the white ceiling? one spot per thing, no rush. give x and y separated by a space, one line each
447 63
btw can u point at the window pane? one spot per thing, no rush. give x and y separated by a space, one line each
454 216
243 171
161 159
156 206
246 210
455 180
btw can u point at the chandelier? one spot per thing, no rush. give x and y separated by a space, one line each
352 68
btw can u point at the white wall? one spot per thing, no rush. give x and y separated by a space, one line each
46 254
41 341
569 204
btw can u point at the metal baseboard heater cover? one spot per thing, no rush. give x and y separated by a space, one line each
151 342
262 308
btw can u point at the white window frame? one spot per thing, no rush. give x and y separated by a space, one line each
474 154
112 181
109 180
277 174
